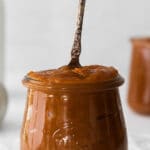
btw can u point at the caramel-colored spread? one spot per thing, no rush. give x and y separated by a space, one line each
73 120
139 84
66 75
58 119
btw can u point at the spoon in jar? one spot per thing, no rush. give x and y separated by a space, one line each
76 49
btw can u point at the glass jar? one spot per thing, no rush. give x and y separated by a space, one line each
139 84
73 117
3 94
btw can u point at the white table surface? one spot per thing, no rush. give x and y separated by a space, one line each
138 126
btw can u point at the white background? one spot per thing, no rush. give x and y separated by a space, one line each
39 35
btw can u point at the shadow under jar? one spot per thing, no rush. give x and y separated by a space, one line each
139 84
73 116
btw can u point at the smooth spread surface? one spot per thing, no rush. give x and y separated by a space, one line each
86 74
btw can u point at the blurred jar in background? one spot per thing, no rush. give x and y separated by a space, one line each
139 84
3 98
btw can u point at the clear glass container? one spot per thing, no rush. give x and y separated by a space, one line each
139 83
73 117
3 94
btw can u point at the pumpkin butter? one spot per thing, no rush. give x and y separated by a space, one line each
74 109
139 83
66 75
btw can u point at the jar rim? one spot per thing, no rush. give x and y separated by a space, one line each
140 38
94 86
